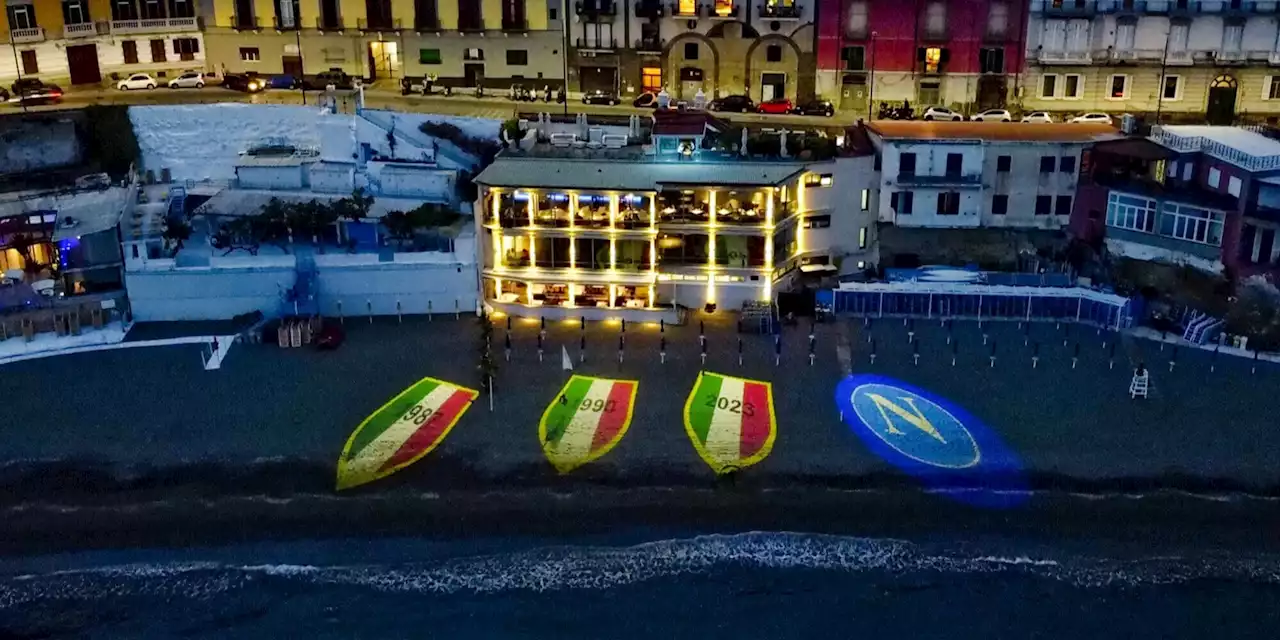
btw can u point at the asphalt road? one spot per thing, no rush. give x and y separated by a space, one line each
498 107
1208 424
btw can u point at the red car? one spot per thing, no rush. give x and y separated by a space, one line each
777 106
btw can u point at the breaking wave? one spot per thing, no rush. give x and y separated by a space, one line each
602 567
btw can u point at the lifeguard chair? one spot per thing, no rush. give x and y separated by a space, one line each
1140 383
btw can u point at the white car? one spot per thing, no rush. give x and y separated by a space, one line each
137 81
941 113
1039 117
1093 117
188 80
992 115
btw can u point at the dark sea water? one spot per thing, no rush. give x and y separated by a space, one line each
642 584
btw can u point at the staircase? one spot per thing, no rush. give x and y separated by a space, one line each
1200 328
304 294
176 208
385 120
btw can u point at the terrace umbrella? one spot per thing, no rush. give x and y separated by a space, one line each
742 150
782 141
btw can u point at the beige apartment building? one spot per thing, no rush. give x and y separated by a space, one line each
462 42
1187 59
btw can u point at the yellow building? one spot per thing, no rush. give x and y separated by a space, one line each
89 41
462 42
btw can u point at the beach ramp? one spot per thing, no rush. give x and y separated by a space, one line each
402 431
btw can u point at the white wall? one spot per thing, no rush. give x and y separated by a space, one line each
271 177
931 160
442 286
206 293
843 202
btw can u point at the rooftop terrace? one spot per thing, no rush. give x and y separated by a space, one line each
1245 147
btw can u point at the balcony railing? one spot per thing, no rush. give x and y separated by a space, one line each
32 34
1064 57
239 23
1242 159
330 23
653 45
596 45
164 25
1230 55
781 12
678 10
281 25
717 11
515 25
596 8
379 24
995 37
935 34
514 220
1179 58
426 23
649 9
946 180
80 30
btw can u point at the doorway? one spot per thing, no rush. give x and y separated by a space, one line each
384 60
292 66
690 82
773 85
598 79
930 93
473 73
1221 109
991 92
82 62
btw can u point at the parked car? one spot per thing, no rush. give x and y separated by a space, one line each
776 106
942 113
992 115
137 81
646 100
815 108
1093 117
1040 117
739 103
31 91
188 80
243 82
281 81
600 96
336 78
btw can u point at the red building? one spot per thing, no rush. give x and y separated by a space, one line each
965 54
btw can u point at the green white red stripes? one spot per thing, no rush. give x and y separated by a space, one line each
585 420
730 421
402 431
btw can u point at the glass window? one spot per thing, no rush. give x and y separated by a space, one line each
1048 86
1119 87
1131 212
1187 222
1072 86
429 56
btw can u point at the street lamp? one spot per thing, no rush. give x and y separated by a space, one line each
17 66
871 79
302 65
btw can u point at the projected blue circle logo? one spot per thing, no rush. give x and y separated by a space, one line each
933 439
914 425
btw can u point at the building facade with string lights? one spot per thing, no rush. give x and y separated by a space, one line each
633 223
